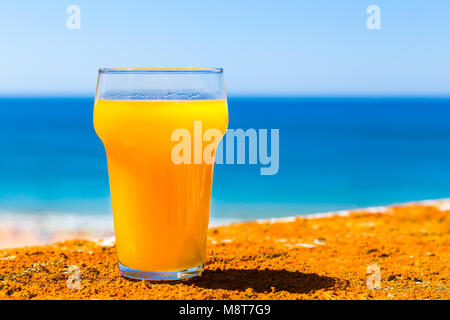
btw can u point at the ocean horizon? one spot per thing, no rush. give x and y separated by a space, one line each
336 153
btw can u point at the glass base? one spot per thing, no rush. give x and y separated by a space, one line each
160 276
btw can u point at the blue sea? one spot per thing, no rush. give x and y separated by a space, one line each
335 153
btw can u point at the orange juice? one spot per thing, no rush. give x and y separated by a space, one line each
160 209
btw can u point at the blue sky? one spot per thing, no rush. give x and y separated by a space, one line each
266 47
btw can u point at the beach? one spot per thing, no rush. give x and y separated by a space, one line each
269 151
398 252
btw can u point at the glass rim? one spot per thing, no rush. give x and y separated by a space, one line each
160 70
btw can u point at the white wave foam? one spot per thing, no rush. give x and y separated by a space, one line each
19 229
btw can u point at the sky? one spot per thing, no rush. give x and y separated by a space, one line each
265 47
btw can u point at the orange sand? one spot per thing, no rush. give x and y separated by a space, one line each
323 258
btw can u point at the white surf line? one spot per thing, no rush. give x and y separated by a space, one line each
105 242
73 222
441 204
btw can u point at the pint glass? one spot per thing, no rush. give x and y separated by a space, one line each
154 125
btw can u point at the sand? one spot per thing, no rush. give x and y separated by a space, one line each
399 253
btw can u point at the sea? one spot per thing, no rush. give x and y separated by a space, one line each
334 154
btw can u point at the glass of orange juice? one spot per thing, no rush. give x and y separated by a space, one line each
154 124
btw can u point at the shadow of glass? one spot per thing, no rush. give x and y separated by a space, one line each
262 280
